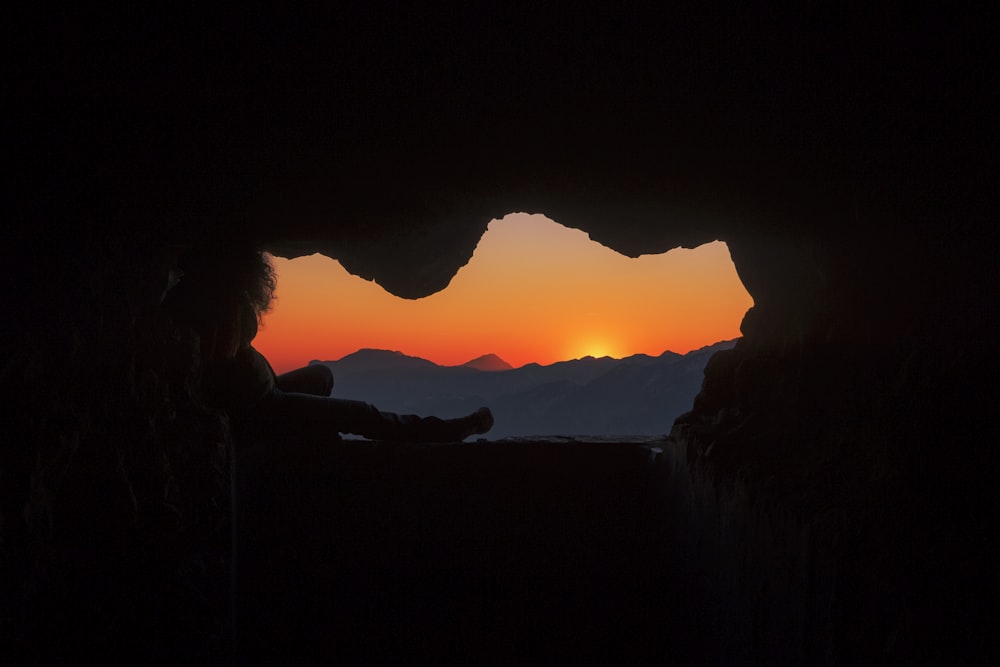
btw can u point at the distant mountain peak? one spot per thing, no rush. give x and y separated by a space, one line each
374 359
488 362
374 353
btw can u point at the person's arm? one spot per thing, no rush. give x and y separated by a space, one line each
316 379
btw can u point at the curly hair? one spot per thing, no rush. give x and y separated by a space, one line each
219 279
255 273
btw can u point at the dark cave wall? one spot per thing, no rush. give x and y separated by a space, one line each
852 181
836 461
115 509
837 466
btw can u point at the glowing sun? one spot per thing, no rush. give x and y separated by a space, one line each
596 348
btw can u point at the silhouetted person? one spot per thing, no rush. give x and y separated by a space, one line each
222 295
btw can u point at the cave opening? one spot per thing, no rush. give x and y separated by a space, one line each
559 334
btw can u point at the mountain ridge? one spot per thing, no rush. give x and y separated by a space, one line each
636 395
371 358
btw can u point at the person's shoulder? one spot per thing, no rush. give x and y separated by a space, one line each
254 358
242 381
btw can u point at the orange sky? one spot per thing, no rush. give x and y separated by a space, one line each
534 291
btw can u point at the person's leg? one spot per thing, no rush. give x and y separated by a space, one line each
314 416
315 379
364 419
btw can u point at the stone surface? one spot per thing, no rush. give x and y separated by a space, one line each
495 552
848 164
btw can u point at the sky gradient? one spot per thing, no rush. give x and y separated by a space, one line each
534 291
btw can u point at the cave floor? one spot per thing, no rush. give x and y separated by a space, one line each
513 551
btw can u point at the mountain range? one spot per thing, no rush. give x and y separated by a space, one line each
636 395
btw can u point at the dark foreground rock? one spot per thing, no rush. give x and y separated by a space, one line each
479 553
558 550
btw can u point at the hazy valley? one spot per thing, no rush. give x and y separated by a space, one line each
637 395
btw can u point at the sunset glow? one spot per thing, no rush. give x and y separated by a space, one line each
534 291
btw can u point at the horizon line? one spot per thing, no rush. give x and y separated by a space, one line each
512 367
